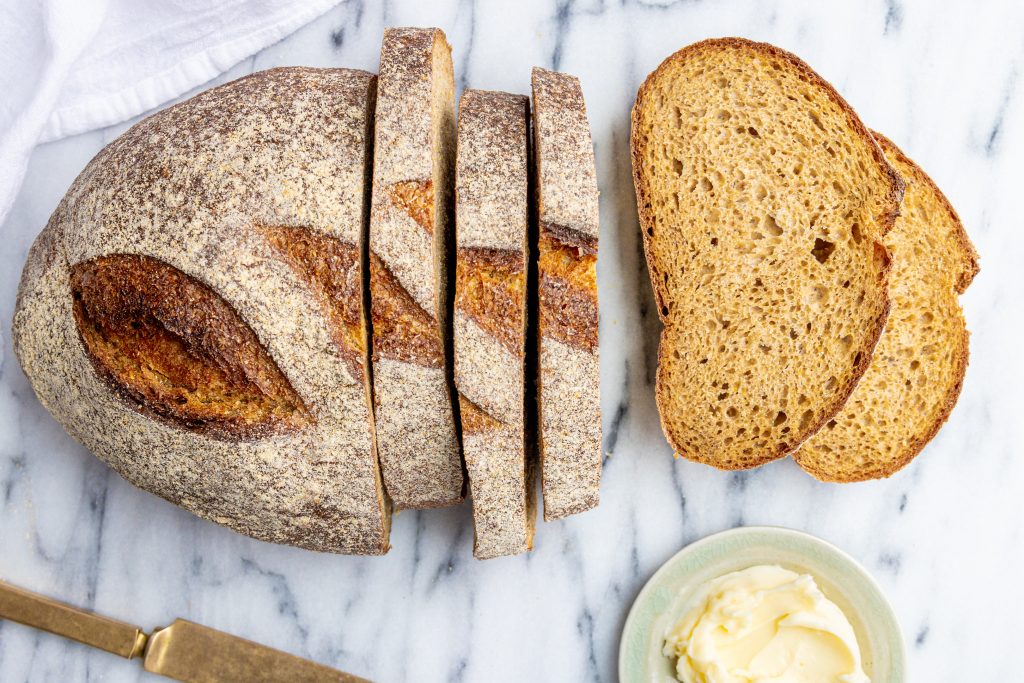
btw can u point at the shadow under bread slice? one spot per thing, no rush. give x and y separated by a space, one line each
569 371
410 248
491 318
918 367
173 318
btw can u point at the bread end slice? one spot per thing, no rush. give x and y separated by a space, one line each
918 368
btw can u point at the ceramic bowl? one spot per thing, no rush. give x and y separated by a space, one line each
663 599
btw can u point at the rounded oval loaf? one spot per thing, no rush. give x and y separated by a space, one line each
193 312
763 202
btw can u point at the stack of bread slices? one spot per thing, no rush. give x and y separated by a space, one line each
308 297
807 272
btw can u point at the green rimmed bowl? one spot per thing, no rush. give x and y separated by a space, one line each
663 599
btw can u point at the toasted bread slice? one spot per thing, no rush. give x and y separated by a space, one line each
763 202
918 367
491 318
569 377
409 250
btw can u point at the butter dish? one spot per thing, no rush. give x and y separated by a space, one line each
664 598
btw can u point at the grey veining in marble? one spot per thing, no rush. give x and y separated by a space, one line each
945 537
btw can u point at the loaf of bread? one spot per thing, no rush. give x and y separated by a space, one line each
410 248
193 311
569 376
491 318
763 203
918 367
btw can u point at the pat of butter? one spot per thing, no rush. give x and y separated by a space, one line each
764 624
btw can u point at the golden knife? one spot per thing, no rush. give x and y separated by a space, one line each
183 651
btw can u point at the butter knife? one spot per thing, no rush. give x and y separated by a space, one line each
184 651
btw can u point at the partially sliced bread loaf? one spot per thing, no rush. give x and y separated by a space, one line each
491 316
763 201
567 208
409 250
176 318
918 367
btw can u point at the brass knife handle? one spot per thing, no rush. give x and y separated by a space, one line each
64 620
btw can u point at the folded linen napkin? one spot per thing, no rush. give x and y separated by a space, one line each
70 66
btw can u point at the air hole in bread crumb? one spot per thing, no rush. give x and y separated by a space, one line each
780 418
816 296
831 424
664 311
856 359
822 249
761 193
723 115
927 318
714 241
831 383
846 284
846 341
914 365
677 166
753 131
771 226
793 334
805 419
650 232
855 233
815 120
731 411
706 185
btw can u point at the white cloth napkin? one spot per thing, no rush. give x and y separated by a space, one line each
70 66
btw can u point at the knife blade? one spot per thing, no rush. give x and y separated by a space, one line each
184 651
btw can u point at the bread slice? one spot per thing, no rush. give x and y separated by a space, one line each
763 202
409 252
176 318
567 208
491 318
918 367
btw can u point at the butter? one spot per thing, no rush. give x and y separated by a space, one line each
764 624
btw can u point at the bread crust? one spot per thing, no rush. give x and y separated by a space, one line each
409 254
568 387
189 187
647 218
969 268
491 318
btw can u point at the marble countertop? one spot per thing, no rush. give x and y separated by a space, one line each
944 537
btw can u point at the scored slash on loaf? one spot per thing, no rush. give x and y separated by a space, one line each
251 303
